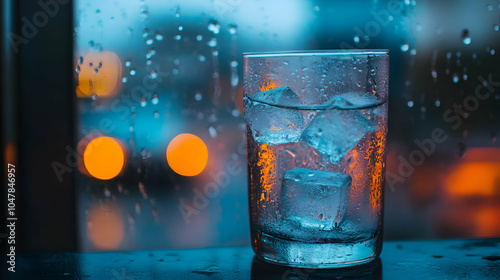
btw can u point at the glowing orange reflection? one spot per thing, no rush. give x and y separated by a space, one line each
478 174
267 164
104 158
187 154
100 73
268 85
105 227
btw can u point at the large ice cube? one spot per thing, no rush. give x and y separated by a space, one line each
335 132
353 100
313 199
273 124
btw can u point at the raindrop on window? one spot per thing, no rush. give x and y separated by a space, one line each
124 80
177 37
405 47
94 96
410 104
356 39
143 102
213 26
212 43
232 29
128 63
155 99
158 37
199 38
132 72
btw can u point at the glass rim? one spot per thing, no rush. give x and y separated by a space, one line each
338 52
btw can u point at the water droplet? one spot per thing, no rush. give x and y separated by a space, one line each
177 61
434 74
78 69
128 63
410 104
91 64
215 53
356 39
198 96
201 58
144 13
96 70
156 114
437 103
175 71
143 101
100 64
178 12
405 47
234 80
131 128
94 96
138 207
492 51
456 78
489 7
132 72
235 113
159 37
107 193
465 37
149 62
462 149
149 41
180 28
145 33
178 37
474 56
124 80
153 75
212 43
155 99
150 53
466 41
465 77
214 26
233 29
212 132
413 52
418 27
234 63
80 60
496 27
98 11
423 109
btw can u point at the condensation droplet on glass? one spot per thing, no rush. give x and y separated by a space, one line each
156 114
94 96
235 80
107 193
212 43
178 12
96 70
423 109
418 27
213 26
138 207
131 128
235 113
201 58
492 51
465 77
145 33
144 13
474 56
198 96
132 72
496 27
159 37
437 103
405 47
410 104
143 101
128 63
489 7
91 64
149 41
155 99
199 38
177 61
413 52
153 75
407 2
234 63
180 27
149 62
124 80
212 131
455 78
233 29
150 53
434 74
175 71
356 39
178 37
80 60
215 53
78 69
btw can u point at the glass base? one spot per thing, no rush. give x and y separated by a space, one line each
315 255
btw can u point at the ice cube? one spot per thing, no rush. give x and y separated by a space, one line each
272 124
335 132
313 199
353 100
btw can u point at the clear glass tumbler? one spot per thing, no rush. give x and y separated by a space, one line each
316 134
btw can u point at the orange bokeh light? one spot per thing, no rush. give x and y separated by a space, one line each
104 158
105 227
100 73
187 154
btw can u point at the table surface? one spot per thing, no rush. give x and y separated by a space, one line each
443 259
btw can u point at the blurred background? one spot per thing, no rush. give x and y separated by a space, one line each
156 87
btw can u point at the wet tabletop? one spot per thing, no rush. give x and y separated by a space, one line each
448 259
